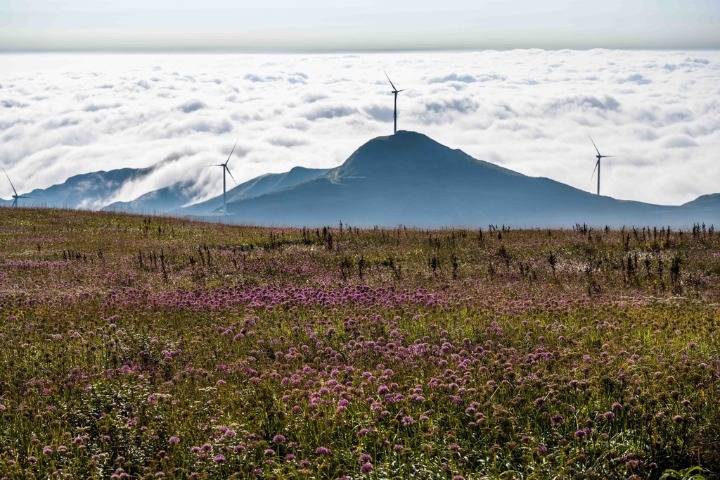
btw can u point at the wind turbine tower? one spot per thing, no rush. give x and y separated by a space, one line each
226 170
597 164
15 196
395 92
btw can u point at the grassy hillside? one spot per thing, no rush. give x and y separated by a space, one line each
138 347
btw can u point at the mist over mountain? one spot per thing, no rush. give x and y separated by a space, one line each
85 191
264 184
157 201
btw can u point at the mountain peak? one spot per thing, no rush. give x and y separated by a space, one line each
404 151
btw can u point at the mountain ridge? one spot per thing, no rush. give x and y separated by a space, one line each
406 178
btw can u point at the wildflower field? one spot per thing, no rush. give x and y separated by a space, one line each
143 347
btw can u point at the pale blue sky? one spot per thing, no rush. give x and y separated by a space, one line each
322 25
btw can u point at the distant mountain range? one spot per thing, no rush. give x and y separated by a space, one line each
84 191
402 179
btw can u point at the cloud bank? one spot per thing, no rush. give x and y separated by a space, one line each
528 110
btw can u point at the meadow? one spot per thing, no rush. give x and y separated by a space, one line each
146 347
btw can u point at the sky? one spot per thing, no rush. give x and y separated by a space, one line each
656 111
99 84
356 25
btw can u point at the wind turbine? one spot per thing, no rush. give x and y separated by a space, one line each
597 164
226 169
15 194
395 92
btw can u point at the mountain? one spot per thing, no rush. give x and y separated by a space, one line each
262 185
705 201
410 179
402 179
157 201
84 191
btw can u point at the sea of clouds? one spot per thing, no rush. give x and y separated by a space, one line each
527 110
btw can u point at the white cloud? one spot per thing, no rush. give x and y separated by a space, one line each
528 110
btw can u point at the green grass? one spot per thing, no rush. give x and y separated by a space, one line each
138 347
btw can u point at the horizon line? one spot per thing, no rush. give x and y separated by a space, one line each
310 51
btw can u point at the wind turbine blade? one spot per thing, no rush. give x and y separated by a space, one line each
11 184
596 166
391 83
593 142
14 204
231 176
231 152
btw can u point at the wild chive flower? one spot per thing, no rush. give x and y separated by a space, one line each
279 439
174 440
322 451
366 468
219 458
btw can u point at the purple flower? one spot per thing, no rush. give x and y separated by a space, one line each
47 450
616 406
279 439
454 447
557 419
398 448
322 451
269 452
365 458
219 458
174 440
366 468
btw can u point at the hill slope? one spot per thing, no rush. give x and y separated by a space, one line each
410 179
